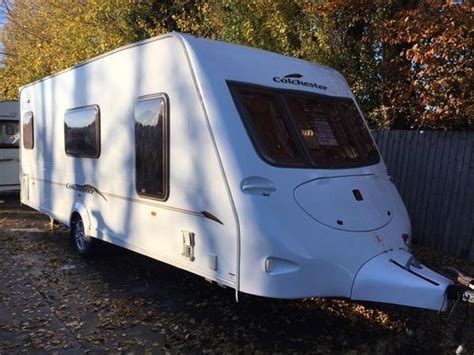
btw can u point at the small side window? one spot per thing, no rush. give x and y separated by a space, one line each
28 131
9 134
82 132
151 146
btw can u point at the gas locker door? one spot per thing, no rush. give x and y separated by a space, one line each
352 203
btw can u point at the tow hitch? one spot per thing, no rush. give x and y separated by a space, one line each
463 288
468 296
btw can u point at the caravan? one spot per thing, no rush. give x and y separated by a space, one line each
9 139
246 167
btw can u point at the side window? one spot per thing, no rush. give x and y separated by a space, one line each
82 132
28 131
9 134
151 146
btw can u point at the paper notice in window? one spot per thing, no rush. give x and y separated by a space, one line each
324 133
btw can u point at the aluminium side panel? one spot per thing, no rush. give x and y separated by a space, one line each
117 213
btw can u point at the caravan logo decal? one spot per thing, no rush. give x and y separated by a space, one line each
294 79
88 189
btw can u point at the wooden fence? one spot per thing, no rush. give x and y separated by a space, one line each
434 173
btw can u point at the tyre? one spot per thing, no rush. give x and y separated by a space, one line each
85 245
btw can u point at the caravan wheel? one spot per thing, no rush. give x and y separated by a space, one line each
84 244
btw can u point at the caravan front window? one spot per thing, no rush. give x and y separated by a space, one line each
268 126
9 134
301 129
333 131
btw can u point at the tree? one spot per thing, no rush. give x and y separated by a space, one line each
275 25
433 73
409 62
43 37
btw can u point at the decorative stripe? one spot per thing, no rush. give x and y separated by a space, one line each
147 203
89 189
134 200
211 217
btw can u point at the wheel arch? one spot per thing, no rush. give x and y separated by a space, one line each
78 209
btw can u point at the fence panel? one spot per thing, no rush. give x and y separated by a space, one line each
434 172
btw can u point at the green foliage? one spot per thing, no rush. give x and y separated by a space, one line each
409 63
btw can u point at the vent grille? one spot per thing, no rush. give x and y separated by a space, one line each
188 245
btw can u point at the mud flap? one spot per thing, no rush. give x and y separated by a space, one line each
391 277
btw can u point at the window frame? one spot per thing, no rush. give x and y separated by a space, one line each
165 147
32 131
10 146
278 93
97 132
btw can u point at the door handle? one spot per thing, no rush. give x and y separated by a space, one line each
256 185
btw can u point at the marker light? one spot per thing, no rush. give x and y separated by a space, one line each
406 239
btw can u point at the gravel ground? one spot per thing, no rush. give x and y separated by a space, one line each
51 300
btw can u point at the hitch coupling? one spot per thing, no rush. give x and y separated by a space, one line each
463 287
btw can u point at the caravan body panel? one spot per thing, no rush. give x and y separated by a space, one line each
291 243
416 286
103 189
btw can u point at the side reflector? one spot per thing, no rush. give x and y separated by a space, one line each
406 239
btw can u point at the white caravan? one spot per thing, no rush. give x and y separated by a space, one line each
246 167
9 151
